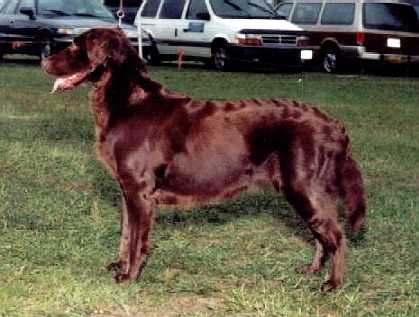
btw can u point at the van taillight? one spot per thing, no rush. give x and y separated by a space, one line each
360 38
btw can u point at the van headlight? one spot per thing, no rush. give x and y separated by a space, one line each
248 39
71 31
303 41
66 31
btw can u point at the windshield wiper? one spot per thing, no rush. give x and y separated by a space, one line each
87 15
56 12
271 12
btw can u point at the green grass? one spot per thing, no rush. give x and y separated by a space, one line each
59 210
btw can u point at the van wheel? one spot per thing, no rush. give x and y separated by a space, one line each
330 60
45 52
152 57
219 57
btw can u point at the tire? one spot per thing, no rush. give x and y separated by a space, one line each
45 51
219 57
1 55
152 57
330 60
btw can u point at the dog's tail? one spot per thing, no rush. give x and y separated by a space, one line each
351 190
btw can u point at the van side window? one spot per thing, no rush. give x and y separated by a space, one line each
284 10
150 8
390 16
306 13
196 9
172 9
338 13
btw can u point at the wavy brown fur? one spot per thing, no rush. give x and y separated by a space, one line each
166 148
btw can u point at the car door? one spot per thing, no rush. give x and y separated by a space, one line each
193 33
169 25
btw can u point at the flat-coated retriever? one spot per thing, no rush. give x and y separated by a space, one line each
166 148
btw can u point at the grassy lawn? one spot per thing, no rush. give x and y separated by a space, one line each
59 210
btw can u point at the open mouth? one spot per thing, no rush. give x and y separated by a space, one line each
69 82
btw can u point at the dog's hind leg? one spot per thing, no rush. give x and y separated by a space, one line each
319 259
325 228
319 211
310 191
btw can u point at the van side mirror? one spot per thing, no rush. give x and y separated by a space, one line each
203 16
29 11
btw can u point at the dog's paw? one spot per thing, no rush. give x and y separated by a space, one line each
122 277
330 285
116 266
308 269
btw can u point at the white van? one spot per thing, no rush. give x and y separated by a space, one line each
221 31
357 31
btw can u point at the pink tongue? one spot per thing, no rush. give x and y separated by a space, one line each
67 83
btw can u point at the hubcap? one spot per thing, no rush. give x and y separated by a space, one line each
46 51
219 58
329 62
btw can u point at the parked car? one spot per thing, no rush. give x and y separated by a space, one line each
221 32
357 30
42 27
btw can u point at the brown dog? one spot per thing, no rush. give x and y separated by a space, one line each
165 148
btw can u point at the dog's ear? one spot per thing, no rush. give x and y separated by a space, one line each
112 48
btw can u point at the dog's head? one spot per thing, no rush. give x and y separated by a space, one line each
90 56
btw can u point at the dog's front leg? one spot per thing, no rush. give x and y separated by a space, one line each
123 258
139 212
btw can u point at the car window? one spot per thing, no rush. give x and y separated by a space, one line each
284 10
306 13
338 13
80 8
150 8
390 16
239 9
10 8
196 7
172 9
26 3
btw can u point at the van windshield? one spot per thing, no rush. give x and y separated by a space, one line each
242 9
390 16
82 8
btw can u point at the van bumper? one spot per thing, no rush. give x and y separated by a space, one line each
291 56
391 58
387 58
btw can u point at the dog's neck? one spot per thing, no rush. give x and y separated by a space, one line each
117 91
